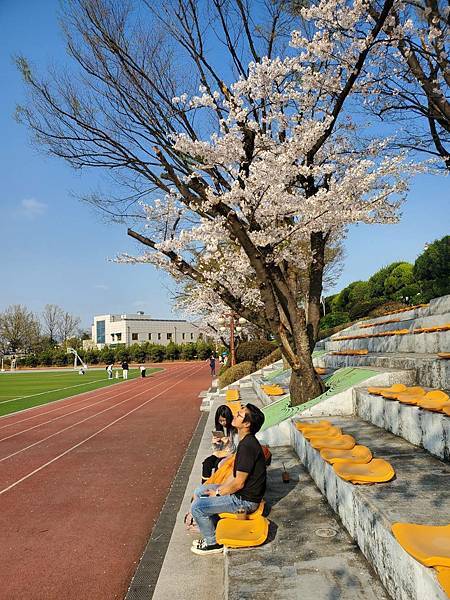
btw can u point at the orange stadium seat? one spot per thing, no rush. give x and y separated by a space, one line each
429 544
377 470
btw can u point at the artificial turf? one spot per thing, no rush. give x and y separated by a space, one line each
24 390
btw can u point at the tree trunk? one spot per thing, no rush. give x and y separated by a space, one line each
318 242
304 385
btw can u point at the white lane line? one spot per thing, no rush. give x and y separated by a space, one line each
61 416
52 391
79 397
75 424
45 465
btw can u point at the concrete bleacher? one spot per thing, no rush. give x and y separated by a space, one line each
357 536
417 352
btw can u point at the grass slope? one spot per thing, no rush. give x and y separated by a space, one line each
24 390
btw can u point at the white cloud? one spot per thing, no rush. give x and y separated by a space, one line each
32 208
101 286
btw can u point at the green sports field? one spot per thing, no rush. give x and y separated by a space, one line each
24 390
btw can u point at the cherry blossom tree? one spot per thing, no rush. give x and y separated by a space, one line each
241 167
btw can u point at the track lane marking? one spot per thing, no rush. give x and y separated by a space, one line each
48 463
79 397
65 415
73 424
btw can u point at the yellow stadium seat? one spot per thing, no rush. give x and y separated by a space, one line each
325 432
434 400
235 407
446 409
320 370
301 425
410 392
345 442
237 533
443 575
429 544
257 513
232 395
395 388
358 454
272 390
377 470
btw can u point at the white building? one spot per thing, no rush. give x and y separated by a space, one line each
112 330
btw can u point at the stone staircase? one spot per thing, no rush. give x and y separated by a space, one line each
409 351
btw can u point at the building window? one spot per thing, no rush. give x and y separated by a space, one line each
183 335
149 336
134 337
100 327
192 336
159 336
112 336
118 337
169 336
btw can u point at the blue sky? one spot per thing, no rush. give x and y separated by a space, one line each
56 249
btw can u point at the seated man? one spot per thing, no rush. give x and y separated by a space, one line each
244 489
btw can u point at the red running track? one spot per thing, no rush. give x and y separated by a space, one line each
83 480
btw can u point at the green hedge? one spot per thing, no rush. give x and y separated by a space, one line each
232 374
136 353
269 359
254 350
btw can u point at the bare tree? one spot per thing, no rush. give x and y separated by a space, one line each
19 329
52 316
67 326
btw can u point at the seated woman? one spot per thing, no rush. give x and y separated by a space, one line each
222 446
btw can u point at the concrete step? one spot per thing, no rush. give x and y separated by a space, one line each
424 428
418 494
421 343
430 371
308 554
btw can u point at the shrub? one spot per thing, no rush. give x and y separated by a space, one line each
269 359
172 351
363 308
156 353
30 360
254 350
222 369
333 319
188 351
232 374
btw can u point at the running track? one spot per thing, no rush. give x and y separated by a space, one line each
82 482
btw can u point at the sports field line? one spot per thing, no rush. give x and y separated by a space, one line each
48 463
53 402
64 415
70 426
51 391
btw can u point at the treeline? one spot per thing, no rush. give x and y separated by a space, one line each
398 283
138 353
22 330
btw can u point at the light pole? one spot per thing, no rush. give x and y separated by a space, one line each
233 328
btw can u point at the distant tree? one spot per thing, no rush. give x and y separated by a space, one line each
68 325
377 281
52 316
398 278
432 269
19 329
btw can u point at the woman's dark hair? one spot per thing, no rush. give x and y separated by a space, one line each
224 411
255 417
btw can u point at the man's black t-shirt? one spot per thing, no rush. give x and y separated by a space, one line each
250 459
